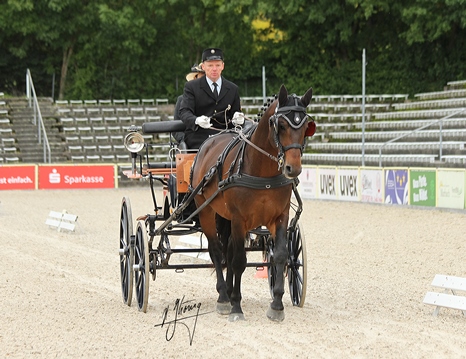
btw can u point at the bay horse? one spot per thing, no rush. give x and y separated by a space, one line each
246 183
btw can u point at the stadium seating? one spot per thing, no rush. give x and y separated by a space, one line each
93 130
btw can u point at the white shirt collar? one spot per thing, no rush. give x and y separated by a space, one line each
219 83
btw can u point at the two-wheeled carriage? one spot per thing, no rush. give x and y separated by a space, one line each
146 248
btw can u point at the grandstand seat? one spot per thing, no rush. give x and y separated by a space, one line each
108 111
153 118
105 102
136 110
76 102
122 110
77 158
108 158
79 111
122 157
139 118
90 148
103 138
71 139
96 119
119 147
81 120
66 120
93 111
111 119
92 158
10 150
147 101
119 102
104 147
87 138
116 138
90 102
113 128
11 159
159 101
99 129
84 129
151 110
67 129
63 111
75 148
134 101
127 119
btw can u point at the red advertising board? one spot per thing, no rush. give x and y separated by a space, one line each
70 177
17 177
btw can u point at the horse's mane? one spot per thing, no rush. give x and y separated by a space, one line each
265 107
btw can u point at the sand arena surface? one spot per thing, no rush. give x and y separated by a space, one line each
369 267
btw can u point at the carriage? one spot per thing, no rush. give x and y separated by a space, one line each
192 185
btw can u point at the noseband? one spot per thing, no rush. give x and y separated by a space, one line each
296 117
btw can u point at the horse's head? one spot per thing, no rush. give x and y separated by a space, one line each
289 127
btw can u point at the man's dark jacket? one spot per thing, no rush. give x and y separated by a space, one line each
198 100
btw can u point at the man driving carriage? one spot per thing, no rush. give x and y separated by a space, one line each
210 103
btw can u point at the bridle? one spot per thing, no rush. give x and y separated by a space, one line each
296 116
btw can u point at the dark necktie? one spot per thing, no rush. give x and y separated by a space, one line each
215 90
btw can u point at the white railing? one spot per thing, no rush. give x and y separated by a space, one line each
41 133
439 121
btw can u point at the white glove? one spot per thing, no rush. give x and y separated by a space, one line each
238 119
203 121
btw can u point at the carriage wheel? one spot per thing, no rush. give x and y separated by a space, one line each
297 266
271 270
126 251
141 266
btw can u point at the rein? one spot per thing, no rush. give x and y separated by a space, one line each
278 159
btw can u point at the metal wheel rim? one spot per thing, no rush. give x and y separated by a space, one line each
141 267
297 266
126 251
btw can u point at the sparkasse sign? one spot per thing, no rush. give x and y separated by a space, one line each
69 177
17 177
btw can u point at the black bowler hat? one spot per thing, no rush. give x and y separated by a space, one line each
212 54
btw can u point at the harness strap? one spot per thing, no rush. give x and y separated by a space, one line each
253 182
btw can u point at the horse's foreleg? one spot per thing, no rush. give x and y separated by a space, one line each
280 255
216 255
237 265
223 301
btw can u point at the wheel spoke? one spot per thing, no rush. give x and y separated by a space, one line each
126 255
141 267
297 271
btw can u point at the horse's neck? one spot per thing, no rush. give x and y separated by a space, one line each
257 163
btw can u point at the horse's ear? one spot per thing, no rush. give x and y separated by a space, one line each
306 99
282 96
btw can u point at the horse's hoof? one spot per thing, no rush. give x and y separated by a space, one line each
234 317
275 315
223 308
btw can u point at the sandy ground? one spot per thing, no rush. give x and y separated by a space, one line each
369 267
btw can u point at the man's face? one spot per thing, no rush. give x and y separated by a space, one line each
213 69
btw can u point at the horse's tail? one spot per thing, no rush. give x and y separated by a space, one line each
223 226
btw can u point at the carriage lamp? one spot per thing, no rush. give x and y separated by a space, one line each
134 142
